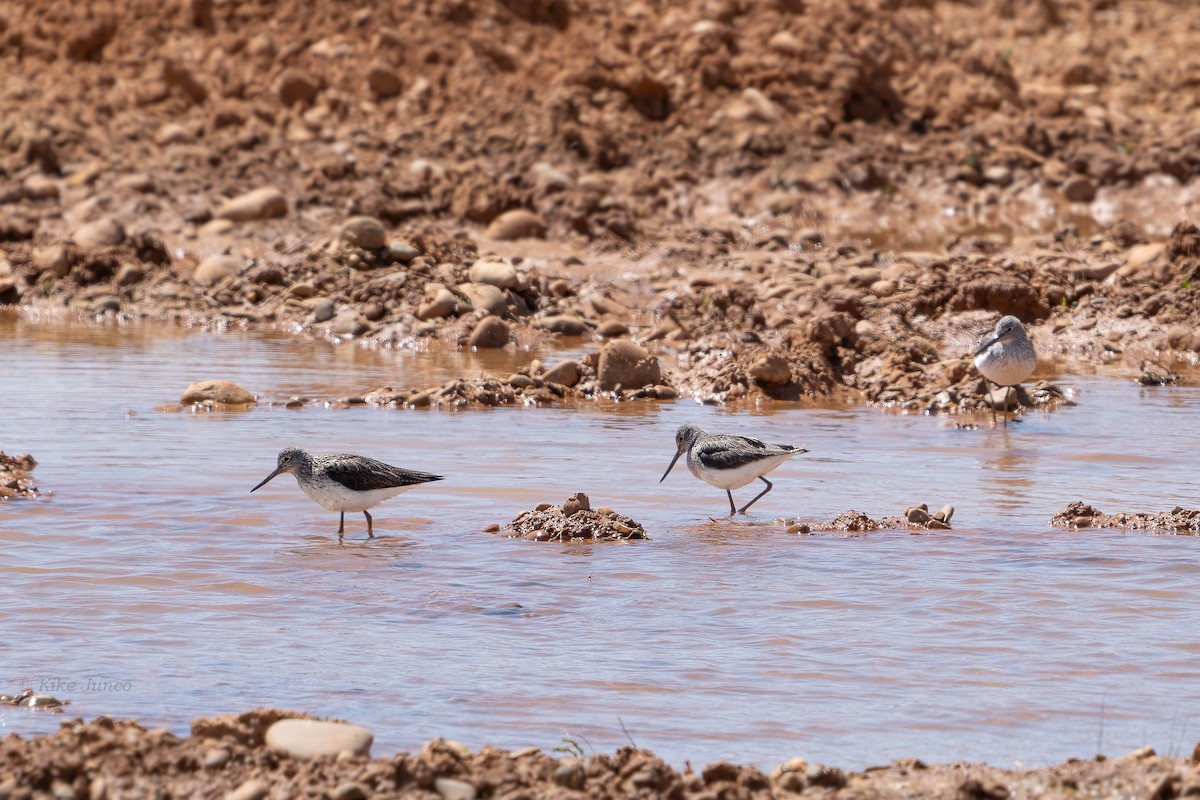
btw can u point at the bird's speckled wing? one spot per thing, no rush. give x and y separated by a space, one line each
729 451
363 474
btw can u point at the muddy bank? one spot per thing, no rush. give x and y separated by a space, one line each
1185 521
111 758
783 201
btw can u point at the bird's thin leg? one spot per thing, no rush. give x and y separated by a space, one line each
342 526
370 526
991 403
1006 406
732 507
760 494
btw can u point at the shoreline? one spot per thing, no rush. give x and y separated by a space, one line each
271 752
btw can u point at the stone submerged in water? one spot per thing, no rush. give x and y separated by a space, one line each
219 392
574 520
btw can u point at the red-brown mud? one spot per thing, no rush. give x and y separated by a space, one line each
785 200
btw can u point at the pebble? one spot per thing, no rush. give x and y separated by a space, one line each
252 789
498 272
265 203
128 275
225 392
310 738
136 182
365 232
104 303
41 187
216 758
454 789
350 791
349 323
519 381
104 232
628 365
565 373
402 250
1001 399
322 309
917 515
384 82
52 258
612 329
296 87
442 305
520 223
215 268
485 297
1079 189
491 332
576 503
172 133
564 324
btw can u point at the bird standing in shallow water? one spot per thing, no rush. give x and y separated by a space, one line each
343 482
1006 357
729 461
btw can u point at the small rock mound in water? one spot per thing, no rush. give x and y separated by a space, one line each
574 520
858 522
1179 520
14 476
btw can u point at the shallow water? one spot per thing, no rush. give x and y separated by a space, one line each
150 572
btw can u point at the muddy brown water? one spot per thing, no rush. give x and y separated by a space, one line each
150 579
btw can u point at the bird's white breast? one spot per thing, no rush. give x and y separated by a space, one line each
736 477
332 496
1006 366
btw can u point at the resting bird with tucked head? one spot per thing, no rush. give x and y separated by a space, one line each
1006 358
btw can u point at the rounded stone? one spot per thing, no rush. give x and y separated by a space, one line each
322 309
104 232
365 232
565 373
628 365
349 323
564 324
172 133
442 305
498 272
310 738
225 392
128 275
485 297
214 268
296 87
491 332
520 223
402 250
1079 189
265 203
52 258
384 82
612 329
